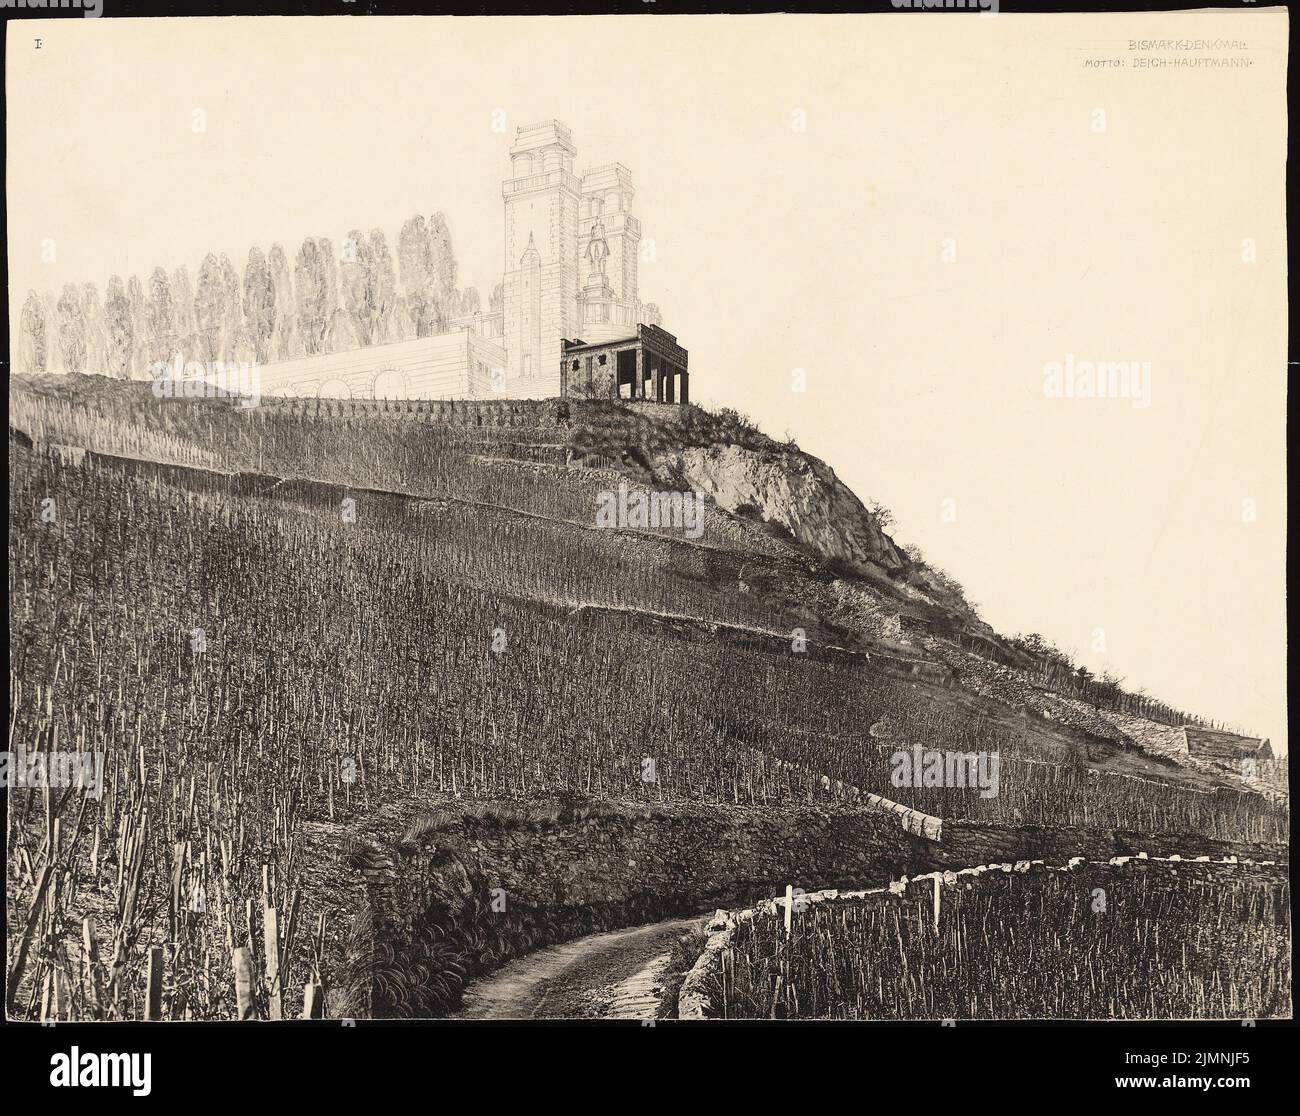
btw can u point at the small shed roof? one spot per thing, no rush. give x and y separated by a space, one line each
1216 743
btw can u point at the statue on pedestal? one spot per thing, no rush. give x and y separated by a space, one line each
597 253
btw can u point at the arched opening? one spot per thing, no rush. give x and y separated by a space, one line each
335 389
390 384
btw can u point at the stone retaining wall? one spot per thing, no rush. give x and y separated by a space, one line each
966 842
695 998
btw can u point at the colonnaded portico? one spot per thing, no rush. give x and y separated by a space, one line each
648 366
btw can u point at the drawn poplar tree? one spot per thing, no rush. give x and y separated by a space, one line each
72 329
96 333
383 285
53 351
355 285
159 318
416 272
342 333
259 304
183 339
119 330
138 359
329 291
368 285
286 342
209 308
31 335
442 267
235 344
314 283
427 267
398 324
497 299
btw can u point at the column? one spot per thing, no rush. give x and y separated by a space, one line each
686 387
638 384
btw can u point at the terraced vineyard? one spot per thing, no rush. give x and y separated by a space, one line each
265 664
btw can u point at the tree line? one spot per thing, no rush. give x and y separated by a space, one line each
321 301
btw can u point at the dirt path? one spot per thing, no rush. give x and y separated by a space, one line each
616 975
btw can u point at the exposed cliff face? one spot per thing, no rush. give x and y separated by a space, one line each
799 493
750 476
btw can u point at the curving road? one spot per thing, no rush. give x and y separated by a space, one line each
615 975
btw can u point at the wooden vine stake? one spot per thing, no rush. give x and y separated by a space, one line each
271 949
153 990
242 959
313 1001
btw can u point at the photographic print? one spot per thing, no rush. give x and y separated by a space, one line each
647 517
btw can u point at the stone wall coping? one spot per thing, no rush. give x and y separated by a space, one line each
694 1001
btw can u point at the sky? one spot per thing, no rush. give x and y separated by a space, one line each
913 215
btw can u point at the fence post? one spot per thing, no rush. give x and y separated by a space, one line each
938 900
789 907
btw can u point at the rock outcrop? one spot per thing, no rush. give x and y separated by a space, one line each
788 488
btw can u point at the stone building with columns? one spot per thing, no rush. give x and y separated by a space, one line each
649 366
572 249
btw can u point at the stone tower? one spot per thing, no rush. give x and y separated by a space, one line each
608 310
541 282
607 198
